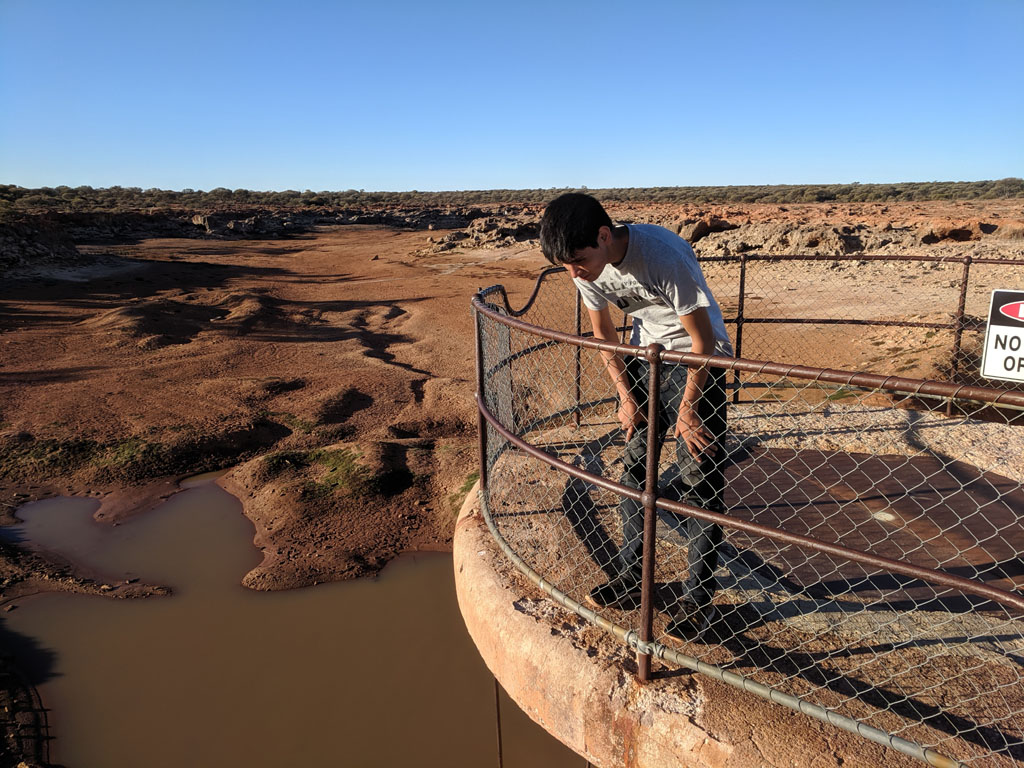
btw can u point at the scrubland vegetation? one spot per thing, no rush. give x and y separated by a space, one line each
15 199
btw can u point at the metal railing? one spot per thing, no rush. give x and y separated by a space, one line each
871 570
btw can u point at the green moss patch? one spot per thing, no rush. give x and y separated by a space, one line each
20 458
340 471
456 500
290 420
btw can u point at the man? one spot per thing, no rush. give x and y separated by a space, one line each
652 274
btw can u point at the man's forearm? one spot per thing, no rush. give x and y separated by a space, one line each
695 380
616 369
604 329
698 325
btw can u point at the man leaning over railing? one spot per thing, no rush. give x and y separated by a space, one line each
652 274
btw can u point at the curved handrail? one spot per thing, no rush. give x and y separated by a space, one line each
775 257
642 641
960 322
994 594
500 289
916 387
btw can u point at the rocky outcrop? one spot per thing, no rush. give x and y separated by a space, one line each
790 239
957 231
230 225
490 232
693 230
828 231
720 230
938 239
26 244
99 228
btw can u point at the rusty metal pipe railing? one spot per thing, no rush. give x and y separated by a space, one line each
642 641
896 384
500 289
957 325
1004 598
649 498
848 321
859 257
867 380
481 424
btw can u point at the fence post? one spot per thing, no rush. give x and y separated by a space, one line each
649 498
481 422
739 326
958 332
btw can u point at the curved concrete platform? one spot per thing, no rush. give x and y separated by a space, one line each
579 683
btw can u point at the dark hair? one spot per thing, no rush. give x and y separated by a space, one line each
571 222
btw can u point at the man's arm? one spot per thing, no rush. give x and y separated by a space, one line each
630 415
688 424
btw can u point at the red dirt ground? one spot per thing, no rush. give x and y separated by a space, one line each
331 371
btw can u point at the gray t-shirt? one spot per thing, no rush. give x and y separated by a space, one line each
657 280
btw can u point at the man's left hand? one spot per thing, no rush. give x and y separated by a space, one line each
691 429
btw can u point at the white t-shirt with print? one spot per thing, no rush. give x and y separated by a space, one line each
657 280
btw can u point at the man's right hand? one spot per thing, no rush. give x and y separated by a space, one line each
630 415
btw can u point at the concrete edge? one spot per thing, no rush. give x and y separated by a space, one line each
572 679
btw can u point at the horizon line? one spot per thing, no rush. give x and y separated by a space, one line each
579 188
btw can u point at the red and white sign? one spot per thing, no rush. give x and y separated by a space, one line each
1014 310
1003 355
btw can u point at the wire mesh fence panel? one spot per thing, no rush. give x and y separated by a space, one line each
565 530
924 658
783 290
857 331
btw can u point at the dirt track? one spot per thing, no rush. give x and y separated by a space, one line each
341 355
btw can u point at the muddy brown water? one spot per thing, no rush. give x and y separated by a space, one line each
365 673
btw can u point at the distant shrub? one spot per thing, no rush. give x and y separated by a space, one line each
113 199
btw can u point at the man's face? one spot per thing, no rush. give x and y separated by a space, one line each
588 263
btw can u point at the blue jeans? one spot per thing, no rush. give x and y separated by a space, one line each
701 484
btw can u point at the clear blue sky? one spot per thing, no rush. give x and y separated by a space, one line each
386 95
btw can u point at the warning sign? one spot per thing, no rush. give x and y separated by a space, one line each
1003 357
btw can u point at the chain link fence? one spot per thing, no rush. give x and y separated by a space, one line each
913 316
871 567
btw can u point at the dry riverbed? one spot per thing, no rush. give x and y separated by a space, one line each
332 370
